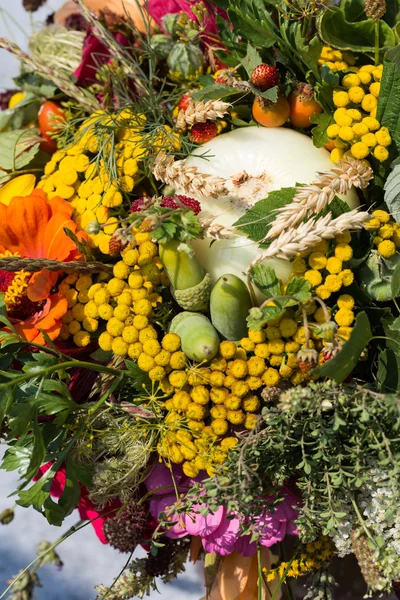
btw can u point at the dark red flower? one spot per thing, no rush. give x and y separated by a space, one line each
94 55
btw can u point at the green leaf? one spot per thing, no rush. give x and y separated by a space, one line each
7 399
271 94
215 92
38 451
266 280
259 317
388 113
299 288
20 418
252 20
319 133
17 457
395 284
139 377
343 363
75 474
34 83
251 60
392 192
18 148
336 31
257 221
309 51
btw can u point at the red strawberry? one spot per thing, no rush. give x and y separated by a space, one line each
190 203
264 77
203 132
184 101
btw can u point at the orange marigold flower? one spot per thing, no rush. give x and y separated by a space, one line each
33 227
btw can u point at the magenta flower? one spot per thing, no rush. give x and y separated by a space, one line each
219 532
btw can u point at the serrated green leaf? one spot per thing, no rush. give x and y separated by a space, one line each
38 451
254 22
266 280
392 193
257 221
320 132
215 92
138 376
343 363
17 457
298 288
336 31
251 60
271 94
376 276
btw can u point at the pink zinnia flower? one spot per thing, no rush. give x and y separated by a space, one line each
159 8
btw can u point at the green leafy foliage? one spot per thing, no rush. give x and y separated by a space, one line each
343 363
319 133
257 221
338 32
388 113
18 148
376 276
22 114
392 192
298 291
216 91
35 84
251 60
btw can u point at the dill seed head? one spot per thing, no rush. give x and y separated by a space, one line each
375 9
125 530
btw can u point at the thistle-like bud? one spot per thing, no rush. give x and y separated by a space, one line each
375 9
125 530
327 331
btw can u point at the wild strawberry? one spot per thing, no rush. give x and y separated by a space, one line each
203 132
184 101
190 203
139 205
264 77
305 367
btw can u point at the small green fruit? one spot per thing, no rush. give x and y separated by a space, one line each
230 303
199 339
191 285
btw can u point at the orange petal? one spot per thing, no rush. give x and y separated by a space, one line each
57 205
40 285
58 308
233 576
26 331
56 243
8 239
52 332
28 218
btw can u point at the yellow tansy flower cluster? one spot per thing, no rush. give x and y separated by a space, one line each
316 554
324 267
386 233
126 303
356 129
336 60
76 323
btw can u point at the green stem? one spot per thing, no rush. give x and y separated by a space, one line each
377 42
361 521
106 394
260 573
79 364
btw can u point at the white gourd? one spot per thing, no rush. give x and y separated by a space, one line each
273 158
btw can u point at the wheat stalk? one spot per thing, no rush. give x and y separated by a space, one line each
64 83
296 240
200 112
216 231
16 263
187 179
312 199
